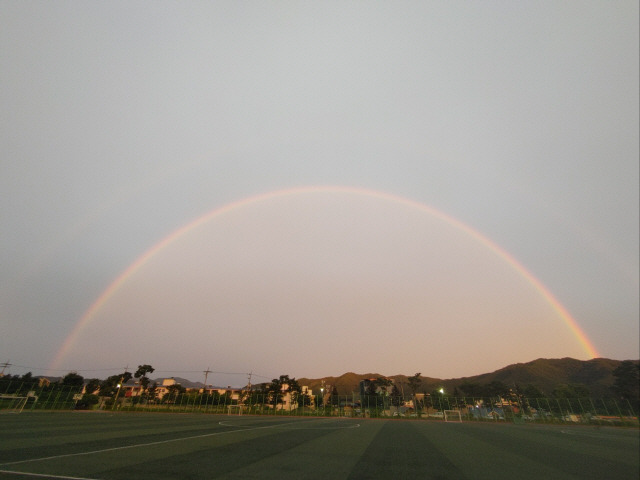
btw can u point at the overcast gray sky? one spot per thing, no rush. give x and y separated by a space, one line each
125 121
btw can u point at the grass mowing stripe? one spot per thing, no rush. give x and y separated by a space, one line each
481 458
119 464
251 454
584 457
36 428
134 445
87 437
399 450
549 453
276 447
324 454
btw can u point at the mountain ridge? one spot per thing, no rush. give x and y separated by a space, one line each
543 373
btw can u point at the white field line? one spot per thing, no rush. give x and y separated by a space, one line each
160 442
295 427
45 475
589 434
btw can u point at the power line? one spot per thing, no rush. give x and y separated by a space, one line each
4 365
45 369
157 371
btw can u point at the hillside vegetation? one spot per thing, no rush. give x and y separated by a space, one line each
595 375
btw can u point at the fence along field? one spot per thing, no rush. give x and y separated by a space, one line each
17 396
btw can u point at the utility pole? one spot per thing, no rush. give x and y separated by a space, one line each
4 365
249 379
206 374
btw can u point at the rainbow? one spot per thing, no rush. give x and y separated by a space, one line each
86 319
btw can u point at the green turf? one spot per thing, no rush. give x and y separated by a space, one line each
196 446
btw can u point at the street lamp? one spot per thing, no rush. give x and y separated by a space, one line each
115 400
441 398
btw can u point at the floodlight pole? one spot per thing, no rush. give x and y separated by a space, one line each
115 400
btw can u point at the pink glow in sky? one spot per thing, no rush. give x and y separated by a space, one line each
363 281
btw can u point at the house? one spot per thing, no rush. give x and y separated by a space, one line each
133 388
233 393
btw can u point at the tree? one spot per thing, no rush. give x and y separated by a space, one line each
174 390
471 389
303 399
376 391
335 398
570 391
496 389
92 385
531 391
523 395
438 397
458 399
627 381
256 396
427 402
151 392
383 383
109 386
396 397
274 390
414 384
141 373
72 379
279 386
87 401
372 388
124 377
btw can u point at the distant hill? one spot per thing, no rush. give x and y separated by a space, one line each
186 383
545 374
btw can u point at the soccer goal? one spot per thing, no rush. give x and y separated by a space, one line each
452 416
235 409
12 403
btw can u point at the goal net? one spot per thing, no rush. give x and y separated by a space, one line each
452 416
12 403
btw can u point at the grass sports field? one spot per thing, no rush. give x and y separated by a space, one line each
193 446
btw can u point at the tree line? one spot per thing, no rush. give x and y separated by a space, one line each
626 386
